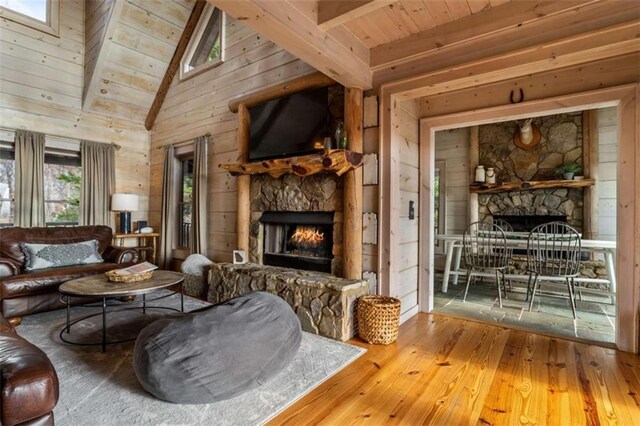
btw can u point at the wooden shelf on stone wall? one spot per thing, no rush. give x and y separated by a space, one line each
338 161
528 186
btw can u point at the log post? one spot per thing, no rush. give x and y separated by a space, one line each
352 206
244 181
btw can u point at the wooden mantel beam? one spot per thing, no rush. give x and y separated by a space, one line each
293 30
332 13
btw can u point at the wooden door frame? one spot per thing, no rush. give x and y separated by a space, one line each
626 99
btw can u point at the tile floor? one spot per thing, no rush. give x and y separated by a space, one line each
551 315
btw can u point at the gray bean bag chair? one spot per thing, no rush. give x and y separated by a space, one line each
217 352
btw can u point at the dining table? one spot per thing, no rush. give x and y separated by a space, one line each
516 240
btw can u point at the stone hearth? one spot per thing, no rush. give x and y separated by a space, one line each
325 305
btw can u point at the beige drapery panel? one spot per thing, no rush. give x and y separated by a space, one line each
98 183
199 197
29 191
169 207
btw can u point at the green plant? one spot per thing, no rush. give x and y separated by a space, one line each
569 168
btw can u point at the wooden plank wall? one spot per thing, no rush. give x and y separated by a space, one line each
198 105
452 146
407 286
97 14
607 127
41 81
138 45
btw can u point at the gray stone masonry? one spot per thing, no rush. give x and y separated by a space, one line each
561 142
290 193
325 304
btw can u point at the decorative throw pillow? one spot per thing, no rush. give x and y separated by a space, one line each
40 256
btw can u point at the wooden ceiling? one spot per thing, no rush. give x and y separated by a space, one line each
359 43
129 46
365 43
400 19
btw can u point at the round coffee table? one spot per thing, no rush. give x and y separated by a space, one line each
99 286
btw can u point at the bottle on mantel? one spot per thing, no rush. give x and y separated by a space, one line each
341 136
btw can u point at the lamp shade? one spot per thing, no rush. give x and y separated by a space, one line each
124 202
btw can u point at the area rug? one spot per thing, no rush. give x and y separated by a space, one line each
101 388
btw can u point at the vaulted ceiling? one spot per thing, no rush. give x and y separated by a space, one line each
365 43
359 43
129 45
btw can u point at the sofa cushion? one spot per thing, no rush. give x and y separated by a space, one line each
43 280
217 352
42 256
11 238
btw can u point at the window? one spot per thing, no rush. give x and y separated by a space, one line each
62 177
439 203
185 202
7 186
41 15
206 48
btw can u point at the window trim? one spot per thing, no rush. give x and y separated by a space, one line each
441 166
52 26
195 39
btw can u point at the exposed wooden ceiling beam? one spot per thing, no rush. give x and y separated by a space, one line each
175 63
332 13
553 27
92 83
482 24
289 28
600 44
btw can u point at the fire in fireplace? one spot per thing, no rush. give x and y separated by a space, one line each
298 240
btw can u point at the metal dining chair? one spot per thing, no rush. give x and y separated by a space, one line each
553 250
485 248
502 224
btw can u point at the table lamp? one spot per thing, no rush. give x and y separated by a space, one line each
125 204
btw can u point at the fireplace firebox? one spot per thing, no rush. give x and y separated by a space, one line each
300 240
525 223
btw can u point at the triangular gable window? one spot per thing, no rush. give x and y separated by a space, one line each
206 48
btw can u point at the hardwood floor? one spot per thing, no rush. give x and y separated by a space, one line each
447 371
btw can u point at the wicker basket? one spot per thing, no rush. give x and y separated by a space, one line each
378 319
113 276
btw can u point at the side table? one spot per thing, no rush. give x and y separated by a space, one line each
144 242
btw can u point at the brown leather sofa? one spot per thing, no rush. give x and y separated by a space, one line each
28 379
28 292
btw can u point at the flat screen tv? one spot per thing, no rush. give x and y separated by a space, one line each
287 126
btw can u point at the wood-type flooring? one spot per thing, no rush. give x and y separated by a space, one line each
448 371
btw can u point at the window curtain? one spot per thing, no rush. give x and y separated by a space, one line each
29 191
98 183
169 207
199 197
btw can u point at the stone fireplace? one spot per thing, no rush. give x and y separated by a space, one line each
300 240
296 222
561 142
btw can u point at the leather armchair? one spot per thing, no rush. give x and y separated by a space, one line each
28 380
25 292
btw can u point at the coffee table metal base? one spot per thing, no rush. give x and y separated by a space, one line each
142 304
